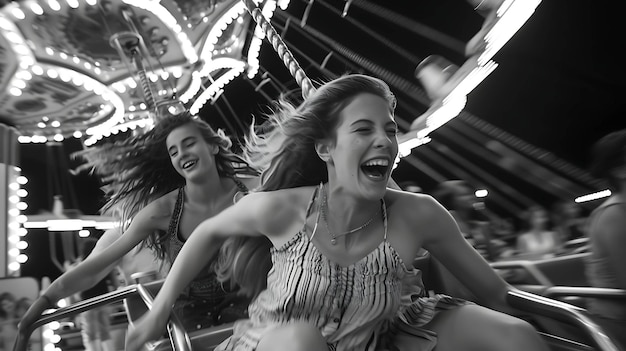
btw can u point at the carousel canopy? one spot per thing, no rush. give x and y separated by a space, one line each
92 68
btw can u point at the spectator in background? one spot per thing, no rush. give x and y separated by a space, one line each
569 220
457 196
607 234
538 239
8 321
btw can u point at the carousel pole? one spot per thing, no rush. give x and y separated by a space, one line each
281 49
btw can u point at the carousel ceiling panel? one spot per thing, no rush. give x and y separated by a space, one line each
69 66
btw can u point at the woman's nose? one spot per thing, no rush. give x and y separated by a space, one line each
383 139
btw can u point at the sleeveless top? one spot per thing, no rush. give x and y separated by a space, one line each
600 273
357 307
205 298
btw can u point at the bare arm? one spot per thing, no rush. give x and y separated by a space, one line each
247 217
107 238
91 270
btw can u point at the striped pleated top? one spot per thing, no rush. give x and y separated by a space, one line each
352 306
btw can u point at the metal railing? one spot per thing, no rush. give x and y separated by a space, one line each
179 338
543 306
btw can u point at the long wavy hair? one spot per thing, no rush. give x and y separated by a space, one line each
138 170
282 148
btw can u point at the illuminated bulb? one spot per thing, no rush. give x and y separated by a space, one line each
481 193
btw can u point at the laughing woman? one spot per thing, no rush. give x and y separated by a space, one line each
164 183
343 242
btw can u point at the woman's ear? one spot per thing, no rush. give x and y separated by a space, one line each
323 150
215 149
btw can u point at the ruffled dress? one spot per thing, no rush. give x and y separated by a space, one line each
363 306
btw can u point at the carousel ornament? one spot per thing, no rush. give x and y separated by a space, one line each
134 53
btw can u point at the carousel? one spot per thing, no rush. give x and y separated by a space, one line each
93 71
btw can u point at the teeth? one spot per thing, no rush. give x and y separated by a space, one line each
188 164
377 162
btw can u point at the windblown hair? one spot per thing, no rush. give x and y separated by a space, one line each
283 147
138 170
607 155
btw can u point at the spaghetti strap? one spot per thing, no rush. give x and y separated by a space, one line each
308 212
242 189
384 206
172 230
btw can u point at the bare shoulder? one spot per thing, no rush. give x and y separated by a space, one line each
419 216
413 206
277 212
279 201
158 211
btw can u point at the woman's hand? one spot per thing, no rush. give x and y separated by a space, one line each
33 313
149 327
24 326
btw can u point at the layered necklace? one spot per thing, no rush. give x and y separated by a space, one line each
333 236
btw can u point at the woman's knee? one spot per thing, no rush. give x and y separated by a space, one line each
485 329
296 336
523 332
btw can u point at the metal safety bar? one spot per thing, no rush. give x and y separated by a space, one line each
179 338
583 291
543 306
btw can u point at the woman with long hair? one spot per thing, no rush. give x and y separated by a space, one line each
343 242
161 185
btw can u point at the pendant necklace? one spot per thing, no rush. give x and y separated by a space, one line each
334 236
